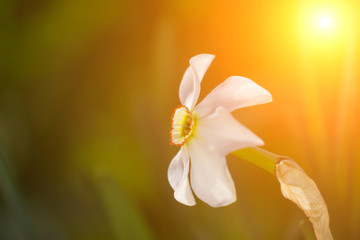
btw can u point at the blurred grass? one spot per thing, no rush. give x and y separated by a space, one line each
15 204
124 216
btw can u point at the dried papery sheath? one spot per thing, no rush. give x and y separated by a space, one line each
302 190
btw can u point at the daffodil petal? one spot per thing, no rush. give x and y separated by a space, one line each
224 134
235 92
302 190
209 175
178 175
190 85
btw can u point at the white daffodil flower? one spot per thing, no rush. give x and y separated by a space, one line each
207 132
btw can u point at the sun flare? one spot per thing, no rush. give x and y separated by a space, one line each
324 25
325 22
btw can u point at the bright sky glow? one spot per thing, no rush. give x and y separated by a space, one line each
319 23
325 22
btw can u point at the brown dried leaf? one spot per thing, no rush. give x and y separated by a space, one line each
302 190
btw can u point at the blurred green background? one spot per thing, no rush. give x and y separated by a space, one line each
87 89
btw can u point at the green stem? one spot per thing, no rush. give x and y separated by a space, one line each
260 157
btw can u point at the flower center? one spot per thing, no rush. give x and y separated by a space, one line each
182 125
